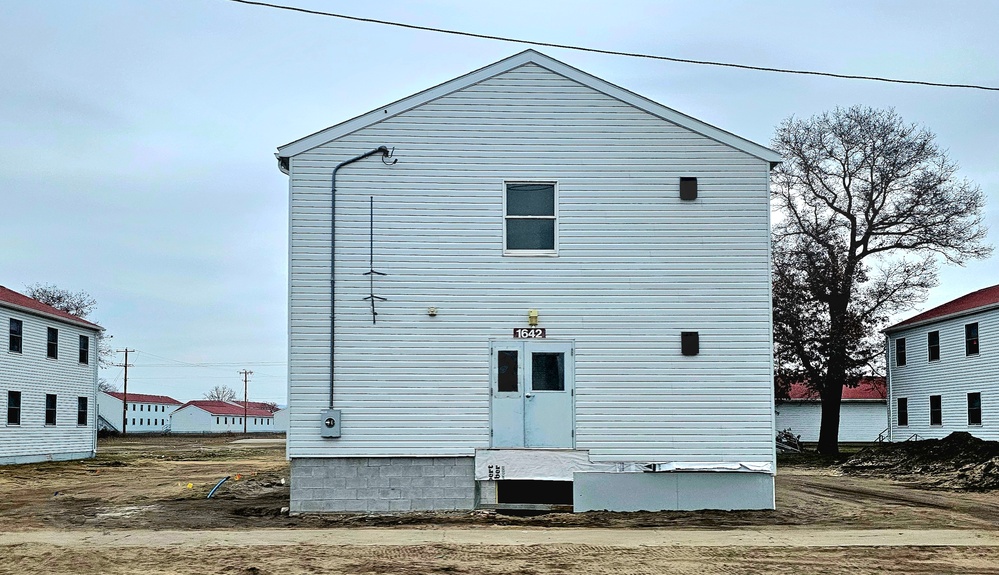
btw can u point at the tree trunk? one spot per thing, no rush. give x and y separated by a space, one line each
832 397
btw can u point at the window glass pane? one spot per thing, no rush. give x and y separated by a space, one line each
530 199
53 343
506 370
81 410
936 415
50 409
14 408
933 345
530 234
974 409
900 351
903 411
14 341
547 372
971 339
84 349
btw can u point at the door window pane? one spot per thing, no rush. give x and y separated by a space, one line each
506 370
547 372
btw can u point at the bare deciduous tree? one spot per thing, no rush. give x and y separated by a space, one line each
867 205
81 305
221 393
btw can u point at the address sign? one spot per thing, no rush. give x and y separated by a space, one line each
529 333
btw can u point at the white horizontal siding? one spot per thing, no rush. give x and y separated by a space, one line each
635 267
859 421
35 375
952 377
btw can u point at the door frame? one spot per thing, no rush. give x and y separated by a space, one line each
523 346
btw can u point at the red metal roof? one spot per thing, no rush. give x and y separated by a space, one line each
22 301
869 388
144 397
225 408
981 298
268 407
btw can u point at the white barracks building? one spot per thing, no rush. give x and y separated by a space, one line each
544 290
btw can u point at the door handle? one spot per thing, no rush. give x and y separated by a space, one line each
528 395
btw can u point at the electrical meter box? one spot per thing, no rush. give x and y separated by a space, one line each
329 423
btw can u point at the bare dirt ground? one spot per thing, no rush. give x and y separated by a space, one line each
131 510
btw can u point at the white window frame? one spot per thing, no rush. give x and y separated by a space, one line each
555 217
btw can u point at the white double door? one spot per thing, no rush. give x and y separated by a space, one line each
532 393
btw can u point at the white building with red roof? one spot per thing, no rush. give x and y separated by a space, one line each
48 382
208 416
863 414
943 369
145 413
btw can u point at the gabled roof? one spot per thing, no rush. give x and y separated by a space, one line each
980 300
143 398
505 65
14 300
870 388
225 408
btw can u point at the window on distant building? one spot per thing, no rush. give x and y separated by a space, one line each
936 410
14 341
933 345
13 408
53 343
84 349
900 351
974 409
971 339
902 415
81 410
50 409
530 218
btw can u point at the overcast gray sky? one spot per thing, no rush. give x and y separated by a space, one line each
137 137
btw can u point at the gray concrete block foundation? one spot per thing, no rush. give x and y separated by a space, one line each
382 484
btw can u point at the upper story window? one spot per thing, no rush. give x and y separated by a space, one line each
84 349
971 339
53 343
14 340
900 351
530 216
933 345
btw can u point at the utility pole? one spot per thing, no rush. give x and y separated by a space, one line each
124 395
246 373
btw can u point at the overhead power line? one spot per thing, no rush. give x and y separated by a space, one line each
612 52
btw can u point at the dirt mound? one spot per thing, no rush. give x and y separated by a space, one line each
958 461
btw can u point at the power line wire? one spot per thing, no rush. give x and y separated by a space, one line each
613 52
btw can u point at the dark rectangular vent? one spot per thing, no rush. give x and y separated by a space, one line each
690 343
688 188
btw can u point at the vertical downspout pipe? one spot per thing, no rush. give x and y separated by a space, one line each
384 151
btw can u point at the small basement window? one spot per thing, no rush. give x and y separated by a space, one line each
530 215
